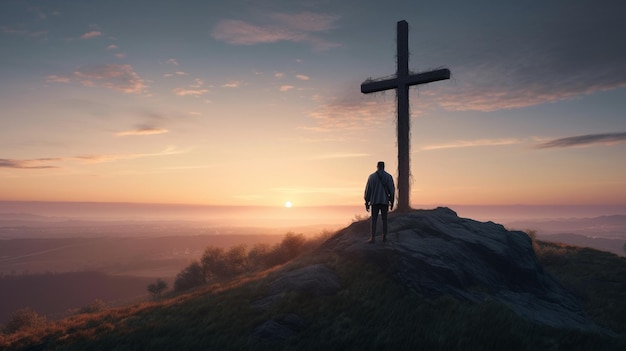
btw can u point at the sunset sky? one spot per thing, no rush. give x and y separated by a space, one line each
258 102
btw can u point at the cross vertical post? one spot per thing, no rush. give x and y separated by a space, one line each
401 83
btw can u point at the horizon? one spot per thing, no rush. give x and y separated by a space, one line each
281 216
259 104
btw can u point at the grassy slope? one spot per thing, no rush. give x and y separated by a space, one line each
371 312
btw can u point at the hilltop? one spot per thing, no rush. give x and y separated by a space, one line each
440 282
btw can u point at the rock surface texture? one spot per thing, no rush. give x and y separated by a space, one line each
435 252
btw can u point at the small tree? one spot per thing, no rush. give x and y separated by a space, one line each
190 277
293 244
214 263
257 256
157 288
97 305
236 260
24 318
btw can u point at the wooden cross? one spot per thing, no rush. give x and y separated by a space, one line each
401 82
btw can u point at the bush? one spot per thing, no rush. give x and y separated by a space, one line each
236 261
218 264
190 277
213 263
96 306
24 318
257 256
289 248
157 288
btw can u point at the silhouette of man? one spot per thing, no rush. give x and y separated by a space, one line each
379 194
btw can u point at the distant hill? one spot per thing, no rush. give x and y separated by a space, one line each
611 227
440 283
606 233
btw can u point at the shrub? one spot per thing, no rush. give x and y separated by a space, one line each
96 306
213 263
157 288
24 318
236 261
257 256
190 277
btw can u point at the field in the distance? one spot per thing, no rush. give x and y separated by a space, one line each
55 275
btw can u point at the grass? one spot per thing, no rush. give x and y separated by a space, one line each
597 278
370 312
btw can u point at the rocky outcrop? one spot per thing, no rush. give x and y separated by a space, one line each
435 252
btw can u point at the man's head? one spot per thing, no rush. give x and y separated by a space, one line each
380 165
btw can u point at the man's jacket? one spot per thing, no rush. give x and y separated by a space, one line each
379 189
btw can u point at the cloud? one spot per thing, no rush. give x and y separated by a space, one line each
40 163
584 140
340 155
320 190
33 34
143 131
194 89
233 84
301 27
112 47
92 34
302 77
473 143
48 163
116 77
286 87
173 62
352 112
532 55
192 92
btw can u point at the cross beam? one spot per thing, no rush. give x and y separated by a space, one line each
401 82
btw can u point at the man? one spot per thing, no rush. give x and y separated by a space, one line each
379 194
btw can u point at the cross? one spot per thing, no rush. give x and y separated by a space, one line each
401 82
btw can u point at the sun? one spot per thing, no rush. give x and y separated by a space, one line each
288 204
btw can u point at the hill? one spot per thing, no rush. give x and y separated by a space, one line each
440 282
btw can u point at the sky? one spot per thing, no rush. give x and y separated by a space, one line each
256 103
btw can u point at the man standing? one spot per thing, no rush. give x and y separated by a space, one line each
379 194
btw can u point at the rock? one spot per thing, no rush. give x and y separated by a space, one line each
315 280
437 253
281 328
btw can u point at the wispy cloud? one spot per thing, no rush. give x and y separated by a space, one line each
276 27
584 140
350 113
192 92
320 190
302 77
39 163
286 87
531 62
116 77
340 155
194 89
51 163
92 34
99 158
233 84
24 32
473 143
142 131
